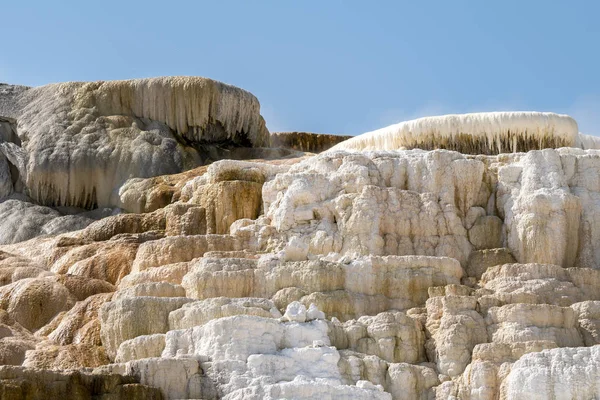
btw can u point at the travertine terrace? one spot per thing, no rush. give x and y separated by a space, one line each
156 243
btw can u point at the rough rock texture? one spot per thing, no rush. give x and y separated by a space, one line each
33 302
18 383
305 141
568 373
22 220
588 315
401 274
540 283
82 141
346 290
131 317
73 356
455 327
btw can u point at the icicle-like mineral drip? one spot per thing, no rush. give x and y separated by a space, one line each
83 140
479 133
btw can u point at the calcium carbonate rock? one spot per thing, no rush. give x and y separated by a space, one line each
368 285
106 261
198 313
128 318
305 141
588 315
486 232
367 272
525 322
170 273
111 226
220 277
102 133
295 312
566 373
313 312
491 363
303 200
21 383
455 328
82 287
296 250
150 289
79 325
477 133
402 380
180 378
176 249
392 336
196 185
15 340
539 207
14 268
21 220
6 184
356 203
72 356
481 260
256 357
541 283
144 346
34 302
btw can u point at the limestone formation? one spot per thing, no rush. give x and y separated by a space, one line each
84 140
128 318
19 383
346 290
558 373
305 141
478 133
33 302
151 248
22 220
588 315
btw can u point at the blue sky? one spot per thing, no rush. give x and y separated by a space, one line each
326 66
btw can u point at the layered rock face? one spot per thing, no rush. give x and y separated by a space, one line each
71 146
404 274
306 141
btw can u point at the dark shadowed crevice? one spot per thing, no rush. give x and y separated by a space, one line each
14 174
8 131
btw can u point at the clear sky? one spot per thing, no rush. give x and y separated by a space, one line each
330 66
